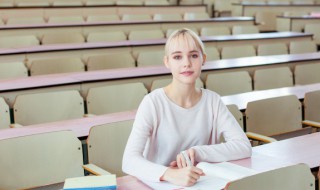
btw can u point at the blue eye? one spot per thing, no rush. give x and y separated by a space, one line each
195 55
177 57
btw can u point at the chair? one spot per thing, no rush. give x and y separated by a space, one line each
238 52
302 2
307 74
277 2
67 3
115 98
145 34
13 70
160 83
272 78
7 3
190 2
106 144
110 61
45 107
293 177
136 17
19 41
272 49
147 58
273 119
156 2
4 114
234 110
229 83
315 30
32 3
100 2
196 16
245 29
212 53
295 13
266 20
129 2
103 18
222 8
1 22
65 19
302 47
113 36
57 65
40 159
26 21
167 17
312 106
215 31
62 38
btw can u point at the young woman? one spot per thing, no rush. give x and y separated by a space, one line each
181 117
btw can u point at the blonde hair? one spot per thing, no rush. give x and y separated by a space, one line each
187 33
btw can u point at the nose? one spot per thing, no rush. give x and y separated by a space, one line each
187 62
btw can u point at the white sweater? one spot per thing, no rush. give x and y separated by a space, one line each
162 129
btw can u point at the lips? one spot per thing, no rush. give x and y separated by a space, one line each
187 73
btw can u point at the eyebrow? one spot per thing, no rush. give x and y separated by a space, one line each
193 51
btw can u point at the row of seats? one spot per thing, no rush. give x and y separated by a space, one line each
281 2
30 108
125 59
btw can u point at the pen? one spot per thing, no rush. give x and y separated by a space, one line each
186 157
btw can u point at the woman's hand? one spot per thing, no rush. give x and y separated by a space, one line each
181 161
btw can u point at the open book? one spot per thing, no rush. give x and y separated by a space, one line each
216 178
105 182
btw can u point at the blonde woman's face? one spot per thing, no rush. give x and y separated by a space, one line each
184 59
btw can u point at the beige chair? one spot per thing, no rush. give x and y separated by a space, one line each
196 16
302 47
302 2
160 83
136 17
1 22
32 3
277 2
67 3
238 52
307 74
190 2
115 98
237 114
272 49
13 70
215 31
315 30
18 41
129 2
40 159
156 2
112 36
99 2
26 21
103 18
145 34
4 114
312 106
65 19
7 3
148 58
110 61
272 78
47 107
273 119
229 83
62 38
222 8
106 144
295 13
266 20
293 177
167 17
212 53
57 65
244 29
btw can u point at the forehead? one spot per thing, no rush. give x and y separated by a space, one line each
183 43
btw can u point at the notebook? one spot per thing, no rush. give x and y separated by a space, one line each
102 182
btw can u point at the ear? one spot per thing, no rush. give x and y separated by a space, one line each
166 61
204 57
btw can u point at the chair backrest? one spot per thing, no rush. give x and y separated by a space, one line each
145 34
234 110
1 22
229 83
62 38
294 177
65 19
303 47
115 98
32 3
190 2
237 51
103 18
159 83
312 106
13 70
266 20
100 2
129 2
58 65
4 114
212 53
272 78
161 17
302 2
136 17
112 36
272 116
156 2
313 29
277 2
295 13
196 16
215 31
110 61
67 3
47 107
272 49
40 159
18 41
147 58
307 73
245 29
26 21
106 144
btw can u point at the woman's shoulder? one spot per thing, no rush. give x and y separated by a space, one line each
210 93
